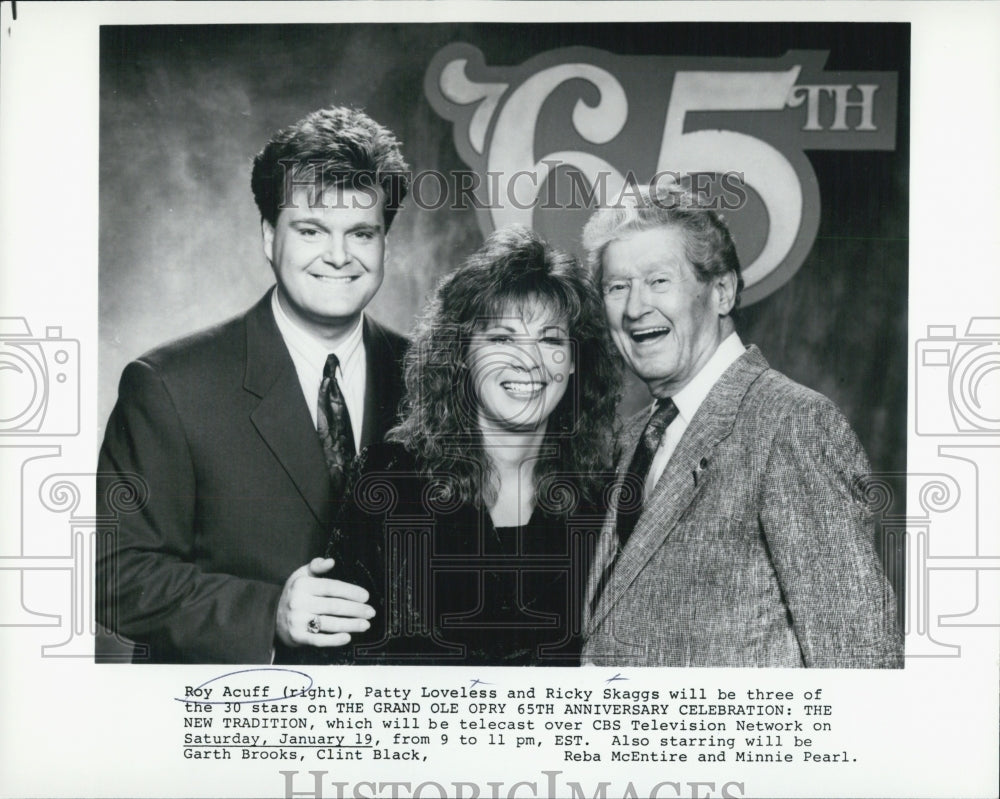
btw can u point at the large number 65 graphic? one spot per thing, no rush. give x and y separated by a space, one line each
763 167
500 134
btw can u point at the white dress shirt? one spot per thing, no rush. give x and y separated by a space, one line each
309 356
688 400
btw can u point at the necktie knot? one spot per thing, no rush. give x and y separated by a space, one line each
664 413
330 367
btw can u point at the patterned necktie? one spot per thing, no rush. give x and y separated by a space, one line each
652 435
334 427
628 513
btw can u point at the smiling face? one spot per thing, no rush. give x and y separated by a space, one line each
328 259
520 363
665 321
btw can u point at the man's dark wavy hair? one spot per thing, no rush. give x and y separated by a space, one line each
335 146
513 268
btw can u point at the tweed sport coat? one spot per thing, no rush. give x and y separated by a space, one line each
238 491
752 549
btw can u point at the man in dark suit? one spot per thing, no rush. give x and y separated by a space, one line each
244 434
739 537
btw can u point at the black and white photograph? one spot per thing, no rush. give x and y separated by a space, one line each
366 357
488 415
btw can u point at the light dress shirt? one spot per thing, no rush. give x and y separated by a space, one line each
309 356
688 400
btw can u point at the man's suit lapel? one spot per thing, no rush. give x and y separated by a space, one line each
282 418
383 388
680 482
607 543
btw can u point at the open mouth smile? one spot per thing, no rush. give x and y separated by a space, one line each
336 278
523 388
648 334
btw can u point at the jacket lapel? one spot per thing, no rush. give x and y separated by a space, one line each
680 482
607 542
282 418
382 385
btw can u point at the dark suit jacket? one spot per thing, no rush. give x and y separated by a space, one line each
238 492
754 548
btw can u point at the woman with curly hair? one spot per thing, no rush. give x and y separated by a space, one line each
482 504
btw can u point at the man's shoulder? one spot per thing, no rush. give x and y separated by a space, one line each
380 336
210 348
776 386
750 376
777 405
210 342
781 395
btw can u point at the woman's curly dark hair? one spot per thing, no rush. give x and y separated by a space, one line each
439 424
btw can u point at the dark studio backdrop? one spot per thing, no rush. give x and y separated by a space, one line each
184 109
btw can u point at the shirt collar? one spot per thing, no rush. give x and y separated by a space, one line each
311 347
689 398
